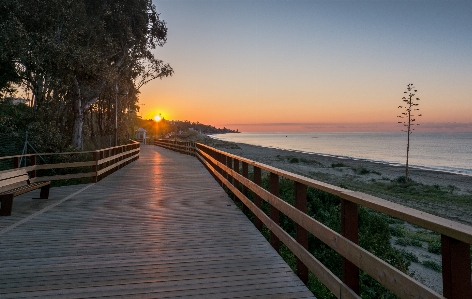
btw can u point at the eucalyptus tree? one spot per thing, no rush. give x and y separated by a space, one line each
408 118
69 52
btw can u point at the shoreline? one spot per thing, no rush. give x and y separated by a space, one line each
464 172
360 175
442 169
423 175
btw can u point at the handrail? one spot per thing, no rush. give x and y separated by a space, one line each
184 147
455 237
104 162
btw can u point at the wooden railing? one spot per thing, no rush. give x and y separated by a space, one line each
232 172
101 163
183 147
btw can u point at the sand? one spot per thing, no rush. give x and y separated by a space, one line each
321 168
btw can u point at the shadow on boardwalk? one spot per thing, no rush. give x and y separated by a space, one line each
160 227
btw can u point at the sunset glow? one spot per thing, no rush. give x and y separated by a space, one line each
278 66
157 118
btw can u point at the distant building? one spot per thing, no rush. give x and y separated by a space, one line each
141 135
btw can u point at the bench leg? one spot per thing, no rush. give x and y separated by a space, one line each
6 202
44 194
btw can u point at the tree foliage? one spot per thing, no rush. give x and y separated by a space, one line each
80 59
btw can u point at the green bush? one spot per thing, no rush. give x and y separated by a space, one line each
435 247
409 256
432 265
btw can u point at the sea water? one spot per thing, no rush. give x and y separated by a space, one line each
449 152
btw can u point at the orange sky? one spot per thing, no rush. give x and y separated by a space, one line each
243 63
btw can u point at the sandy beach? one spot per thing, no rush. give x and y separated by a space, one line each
359 174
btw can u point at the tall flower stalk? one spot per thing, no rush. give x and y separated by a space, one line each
408 118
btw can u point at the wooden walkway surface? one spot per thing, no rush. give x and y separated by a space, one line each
160 227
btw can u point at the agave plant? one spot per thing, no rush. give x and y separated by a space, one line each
408 115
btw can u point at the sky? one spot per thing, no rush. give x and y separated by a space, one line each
314 65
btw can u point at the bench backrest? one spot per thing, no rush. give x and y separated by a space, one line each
13 178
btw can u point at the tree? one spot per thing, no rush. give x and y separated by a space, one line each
71 55
409 119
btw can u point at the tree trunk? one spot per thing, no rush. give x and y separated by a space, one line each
77 136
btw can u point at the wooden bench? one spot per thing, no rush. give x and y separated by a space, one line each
16 182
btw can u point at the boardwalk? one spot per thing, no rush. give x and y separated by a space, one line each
160 227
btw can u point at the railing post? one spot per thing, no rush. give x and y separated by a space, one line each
16 162
95 166
456 271
350 230
302 234
225 175
229 164
101 166
215 156
245 190
33 163
274 213
236 182
257 198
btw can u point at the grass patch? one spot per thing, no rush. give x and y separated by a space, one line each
410 256
408 242
334 165
411 191
432 265
434 247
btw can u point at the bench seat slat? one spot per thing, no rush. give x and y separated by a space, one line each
14 180
28 188
6 174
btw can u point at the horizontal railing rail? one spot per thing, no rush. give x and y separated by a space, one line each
184 147
101 163
232 172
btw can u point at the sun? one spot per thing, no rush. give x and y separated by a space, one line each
157 118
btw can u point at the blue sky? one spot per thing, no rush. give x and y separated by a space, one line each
253 62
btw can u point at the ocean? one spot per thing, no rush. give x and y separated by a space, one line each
449 152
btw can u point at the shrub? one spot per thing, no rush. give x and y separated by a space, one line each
432 265
434 247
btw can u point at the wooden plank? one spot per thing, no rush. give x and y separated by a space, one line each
111 158
161 227
63 177
6 183
5 174
393 279
63 165
108 168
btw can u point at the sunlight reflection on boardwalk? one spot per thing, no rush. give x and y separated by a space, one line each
160 227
